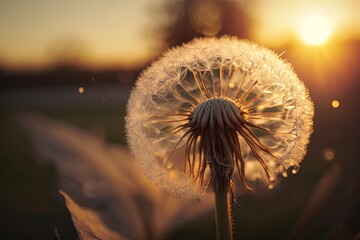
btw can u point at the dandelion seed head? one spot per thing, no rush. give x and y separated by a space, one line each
224 102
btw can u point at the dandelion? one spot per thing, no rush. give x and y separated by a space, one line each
228 106
233 109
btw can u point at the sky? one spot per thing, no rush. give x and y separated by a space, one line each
277 21
108 31
35 33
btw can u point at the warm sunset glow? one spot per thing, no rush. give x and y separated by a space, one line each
335 18
335 103
315 30
67 32
95 35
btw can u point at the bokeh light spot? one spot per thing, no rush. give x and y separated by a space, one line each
81 90
315 30
329 154
205 17
335 103
89 189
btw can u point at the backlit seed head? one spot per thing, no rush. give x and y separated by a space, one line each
214 110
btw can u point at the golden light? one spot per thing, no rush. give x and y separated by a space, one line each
315 30
335 103
81 90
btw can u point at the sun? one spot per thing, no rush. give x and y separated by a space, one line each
315 30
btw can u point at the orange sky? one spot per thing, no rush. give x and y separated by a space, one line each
104 32
118 32
277 21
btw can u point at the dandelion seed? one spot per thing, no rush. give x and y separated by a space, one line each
231 108
107 98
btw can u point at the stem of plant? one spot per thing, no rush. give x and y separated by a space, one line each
223 215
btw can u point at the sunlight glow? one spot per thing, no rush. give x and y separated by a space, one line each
315 30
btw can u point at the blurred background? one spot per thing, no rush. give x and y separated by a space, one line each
78 60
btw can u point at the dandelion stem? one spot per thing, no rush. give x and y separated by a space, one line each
223 215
